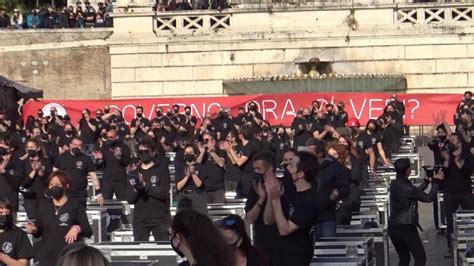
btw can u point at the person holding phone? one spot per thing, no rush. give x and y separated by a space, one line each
403 222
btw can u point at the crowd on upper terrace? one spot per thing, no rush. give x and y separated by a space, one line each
83 15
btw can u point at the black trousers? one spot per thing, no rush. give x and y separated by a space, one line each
435 212
452 202
141 233
216 196
279 257
196 201
109 188
406 240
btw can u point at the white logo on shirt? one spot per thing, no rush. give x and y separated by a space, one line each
224 125
291 210
7 247
373 140
11 172
64 217
79 164
153 180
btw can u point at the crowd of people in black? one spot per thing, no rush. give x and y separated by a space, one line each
321 161
83 15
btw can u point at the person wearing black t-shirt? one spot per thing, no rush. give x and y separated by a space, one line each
189 119
436 145
250 148
365 152
266 237
295 223
300 128
88 131
9 182
190 178
65 139
140 125
15 246
331 115
222 124
78 166
393 129
375 137
458 165
213 159
60 221
280 144
114 157
253 116
34 168
149 189
342 116
101 124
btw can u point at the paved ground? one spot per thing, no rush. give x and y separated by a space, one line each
435 245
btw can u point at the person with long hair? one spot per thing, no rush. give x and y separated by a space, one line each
344 209
15 246
356 167
34 168
80 254
190 176
60 221
232 229
194 236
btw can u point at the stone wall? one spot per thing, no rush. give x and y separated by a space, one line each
179 59
65 64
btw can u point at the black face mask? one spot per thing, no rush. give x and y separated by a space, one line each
281 135
307 116
55 192
450 147
442 137
371 129
40 115
98 117
139 115
32 153
189 157
68 132
175 249
5 221
258 177
188 112
265 128
169 114
112 142
145 157
76 151
106 111
176 111
159 113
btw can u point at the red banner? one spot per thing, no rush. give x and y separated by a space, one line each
276 108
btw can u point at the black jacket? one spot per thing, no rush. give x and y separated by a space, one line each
404 197
331 176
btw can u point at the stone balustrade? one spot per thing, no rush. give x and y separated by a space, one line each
246 20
